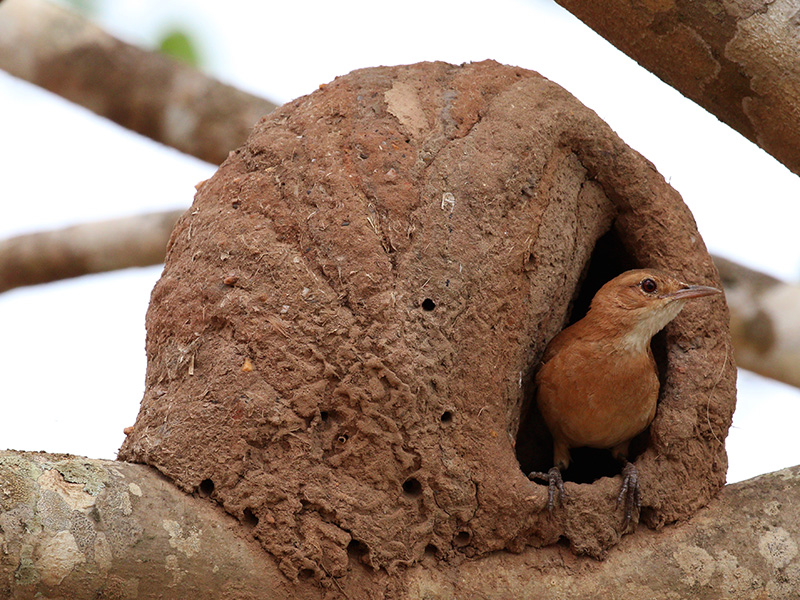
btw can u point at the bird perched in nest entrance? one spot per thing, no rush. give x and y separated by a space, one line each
598 384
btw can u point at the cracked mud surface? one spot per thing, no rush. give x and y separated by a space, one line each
341 346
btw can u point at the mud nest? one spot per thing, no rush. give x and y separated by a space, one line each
341 347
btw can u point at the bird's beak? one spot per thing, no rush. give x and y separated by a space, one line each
692 291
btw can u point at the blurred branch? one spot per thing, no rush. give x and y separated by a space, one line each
46 256
765 321
147 92
738 60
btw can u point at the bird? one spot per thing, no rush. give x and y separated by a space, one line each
597 385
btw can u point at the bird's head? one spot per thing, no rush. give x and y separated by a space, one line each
638 304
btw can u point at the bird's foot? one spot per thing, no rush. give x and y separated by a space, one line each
554 484
630 491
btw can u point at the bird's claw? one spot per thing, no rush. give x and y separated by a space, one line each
555 483
630 491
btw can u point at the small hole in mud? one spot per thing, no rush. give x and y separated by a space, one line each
431 550
206 487
342 439
249 519
412 487
235 204
323 415
446 417
305 574
462 539
428 304
357 549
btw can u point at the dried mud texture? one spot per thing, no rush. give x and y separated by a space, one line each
341 346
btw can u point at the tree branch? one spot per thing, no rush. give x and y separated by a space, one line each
147 92
765 324
137 241
72 527
765 321
79 528
738 60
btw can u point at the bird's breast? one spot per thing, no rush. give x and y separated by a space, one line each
596 395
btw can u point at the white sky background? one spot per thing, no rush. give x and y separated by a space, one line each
72 353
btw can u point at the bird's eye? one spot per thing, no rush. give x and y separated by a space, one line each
648 285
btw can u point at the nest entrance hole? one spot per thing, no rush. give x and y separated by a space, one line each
534 442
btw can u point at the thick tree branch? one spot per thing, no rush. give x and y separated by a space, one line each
35 258
147 92
76 528
79 528
738 60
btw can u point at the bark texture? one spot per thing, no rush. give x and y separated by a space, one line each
137 241
77 528
738 60
343 339
144 91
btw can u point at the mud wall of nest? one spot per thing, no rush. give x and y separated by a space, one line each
341 347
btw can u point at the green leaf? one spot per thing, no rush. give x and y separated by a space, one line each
178 44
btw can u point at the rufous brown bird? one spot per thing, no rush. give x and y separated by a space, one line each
598 384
